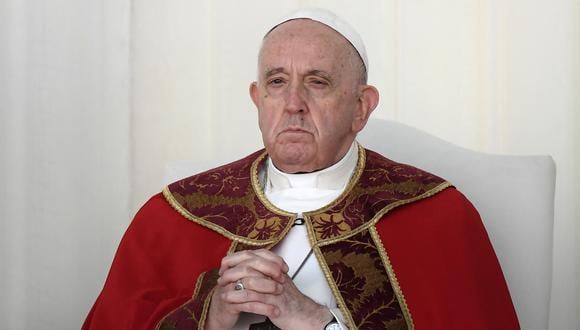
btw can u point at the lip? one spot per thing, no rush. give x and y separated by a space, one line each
294 129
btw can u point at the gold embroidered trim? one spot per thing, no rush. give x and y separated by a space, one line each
257 186
158 325
207 302
185 213
359 169
442 186
198 285
392 277
330 280
204 311
232 248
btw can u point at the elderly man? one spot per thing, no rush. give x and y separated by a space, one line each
315 232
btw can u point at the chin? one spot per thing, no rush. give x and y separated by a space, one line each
294 159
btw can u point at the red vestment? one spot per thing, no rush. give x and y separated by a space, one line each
434 262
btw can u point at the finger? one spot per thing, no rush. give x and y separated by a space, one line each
254 267
236 258
247 295
267 254
242 256
259 308
234 274
262 285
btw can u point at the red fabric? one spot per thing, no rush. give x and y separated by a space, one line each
155 268
446 267
438 248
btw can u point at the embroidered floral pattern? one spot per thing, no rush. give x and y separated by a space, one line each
363 282
330 225
382 184
224 198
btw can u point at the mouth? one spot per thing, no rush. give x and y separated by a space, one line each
294 129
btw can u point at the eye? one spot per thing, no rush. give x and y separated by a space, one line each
318 83
276 82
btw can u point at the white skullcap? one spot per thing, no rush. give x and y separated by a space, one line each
336 23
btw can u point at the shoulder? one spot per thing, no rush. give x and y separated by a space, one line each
229 178
405 176
155 216
212 201
449 202
436 219
159 224
379 170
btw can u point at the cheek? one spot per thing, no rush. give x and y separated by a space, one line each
336 120
267 121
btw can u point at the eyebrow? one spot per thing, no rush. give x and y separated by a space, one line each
314 72
274 71
319 73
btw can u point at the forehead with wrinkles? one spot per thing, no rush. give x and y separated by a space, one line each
311 39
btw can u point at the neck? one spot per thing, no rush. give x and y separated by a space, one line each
333 177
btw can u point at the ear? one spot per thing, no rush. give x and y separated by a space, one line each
254 93
368 101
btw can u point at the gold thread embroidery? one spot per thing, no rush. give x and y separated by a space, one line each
210 225
382 212
205 310
330 280
327 274
352 183
260 192
198 285
392 277
359 169
256 186
232 248
207 302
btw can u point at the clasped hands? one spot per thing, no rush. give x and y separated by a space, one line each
263 287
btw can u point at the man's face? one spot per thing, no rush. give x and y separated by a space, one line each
308 96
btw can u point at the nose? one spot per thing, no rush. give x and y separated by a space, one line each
295 98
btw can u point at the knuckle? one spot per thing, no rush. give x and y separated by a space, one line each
254 305
246 269
225 262
254 264
270 310
245 253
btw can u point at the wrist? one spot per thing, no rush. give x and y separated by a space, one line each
324 316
